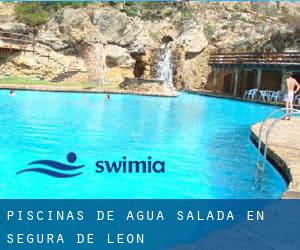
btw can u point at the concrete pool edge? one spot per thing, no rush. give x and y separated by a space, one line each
282 157
74 89
234 98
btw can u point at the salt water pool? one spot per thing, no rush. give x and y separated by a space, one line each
203 141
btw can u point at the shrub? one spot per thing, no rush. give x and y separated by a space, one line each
32 14
290 19
208 31
38 13
187 13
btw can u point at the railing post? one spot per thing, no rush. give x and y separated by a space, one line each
236 80
258 78
283 79
214 83
33 44
10 42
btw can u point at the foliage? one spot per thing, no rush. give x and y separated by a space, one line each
187 13
290 19
32 14
149 10
208 31
38 13
284 10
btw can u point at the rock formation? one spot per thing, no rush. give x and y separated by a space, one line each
131 41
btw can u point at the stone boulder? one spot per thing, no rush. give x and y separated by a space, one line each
111 23
153 87
137 36
14 27
7 12
25 61
52 39
76 27
118 56
192 38
286 37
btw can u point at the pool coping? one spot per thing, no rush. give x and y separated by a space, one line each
230 97
74 89
281 162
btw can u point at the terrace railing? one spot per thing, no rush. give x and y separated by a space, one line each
255 58
16 41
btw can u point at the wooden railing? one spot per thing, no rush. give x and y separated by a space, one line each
255 58
16 41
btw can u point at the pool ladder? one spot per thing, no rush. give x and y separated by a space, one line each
260 164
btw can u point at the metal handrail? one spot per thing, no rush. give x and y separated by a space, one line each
292 112
14 33
17 41
25 41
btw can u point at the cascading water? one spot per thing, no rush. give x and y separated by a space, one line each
165 71
100 66
94 57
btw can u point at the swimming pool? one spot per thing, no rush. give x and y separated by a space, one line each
204 142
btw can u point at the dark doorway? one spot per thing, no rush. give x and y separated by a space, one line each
227 83
270 80
251 80
296 75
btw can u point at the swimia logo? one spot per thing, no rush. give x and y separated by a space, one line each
55 168
61 170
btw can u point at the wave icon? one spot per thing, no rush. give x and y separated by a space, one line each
57 169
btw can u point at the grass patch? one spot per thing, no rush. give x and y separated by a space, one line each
21 80
36 82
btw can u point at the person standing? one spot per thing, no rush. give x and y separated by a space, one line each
292 88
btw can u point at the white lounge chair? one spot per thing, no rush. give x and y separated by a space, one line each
275 96
297 99
250 94
246 94
264 95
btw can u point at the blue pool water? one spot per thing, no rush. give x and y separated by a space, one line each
204 142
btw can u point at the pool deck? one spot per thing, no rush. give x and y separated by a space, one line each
227 96
80 89
283 151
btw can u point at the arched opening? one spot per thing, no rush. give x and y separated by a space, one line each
140 64
167 39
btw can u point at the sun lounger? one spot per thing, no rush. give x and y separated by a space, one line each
297 99
250 94
275 96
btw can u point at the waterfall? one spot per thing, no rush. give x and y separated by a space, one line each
165 71
94 57
100 59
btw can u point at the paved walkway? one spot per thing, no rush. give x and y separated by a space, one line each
284 151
